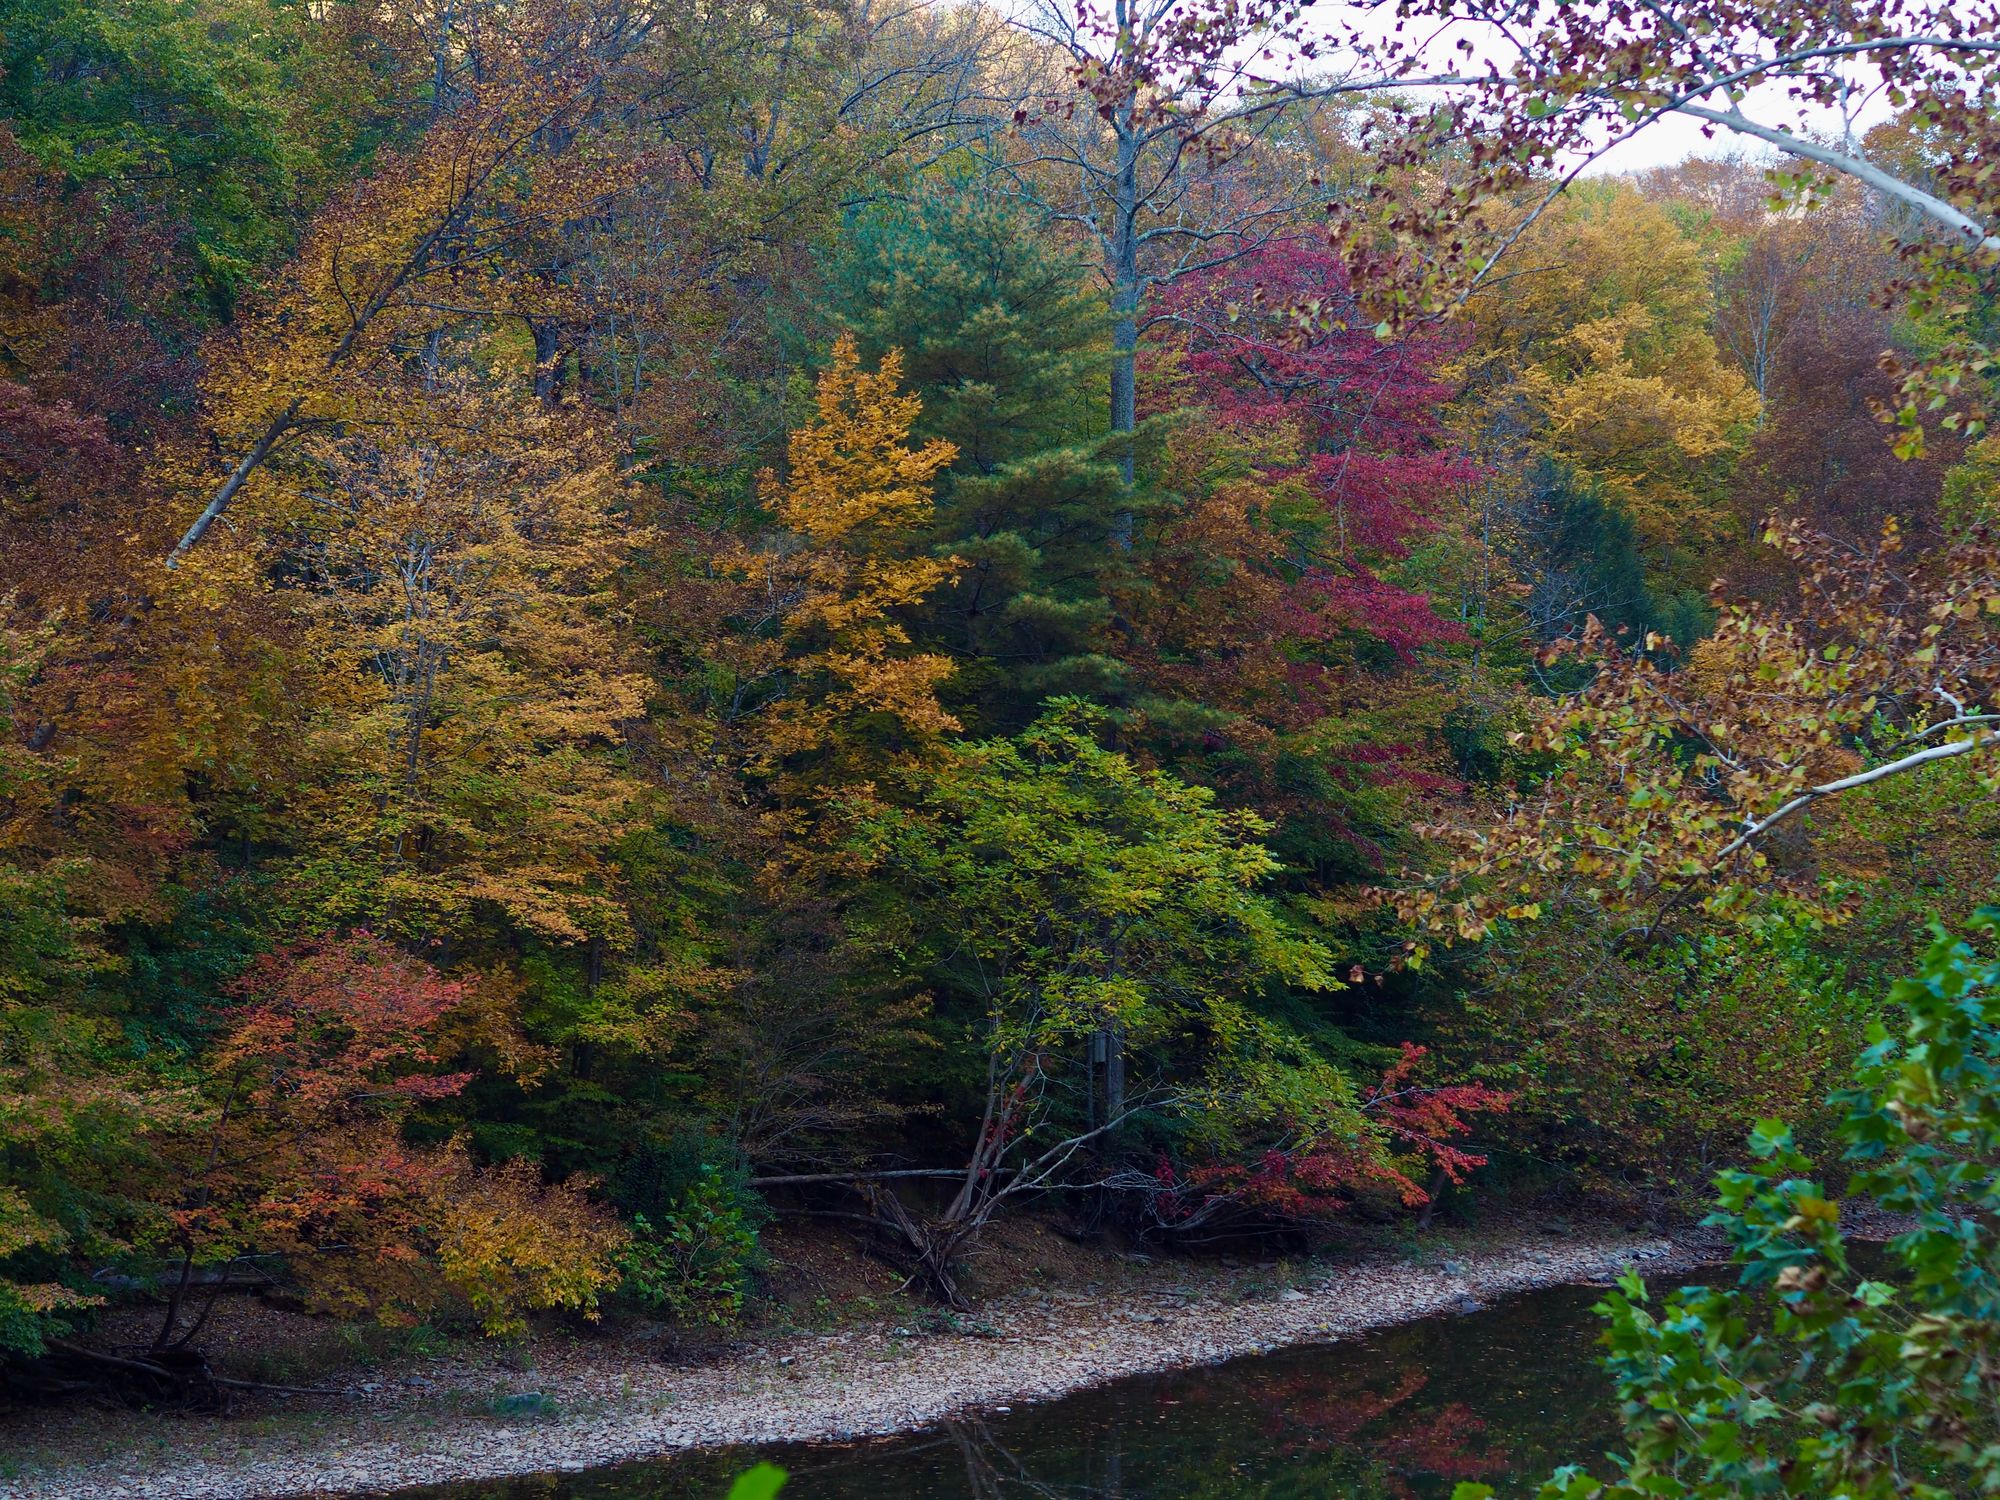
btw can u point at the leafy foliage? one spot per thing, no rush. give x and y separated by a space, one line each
1609 345
1809 1375
1066 902
852 489
696 1266
1683 784
299 1150
1066 890
603 605
1000 335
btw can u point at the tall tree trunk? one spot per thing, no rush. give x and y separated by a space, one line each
1124 373
441 63
1108 1054
549 361
1125 290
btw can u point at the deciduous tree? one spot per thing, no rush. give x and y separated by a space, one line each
843 692
302 1155
1696 783
1059 894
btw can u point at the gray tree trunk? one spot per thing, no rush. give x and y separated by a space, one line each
1123 258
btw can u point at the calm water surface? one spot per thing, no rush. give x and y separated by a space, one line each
1502 1395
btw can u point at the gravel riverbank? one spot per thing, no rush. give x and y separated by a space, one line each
400 1428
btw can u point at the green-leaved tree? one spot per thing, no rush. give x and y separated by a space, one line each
1051 893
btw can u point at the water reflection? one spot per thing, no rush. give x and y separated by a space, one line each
1403 1415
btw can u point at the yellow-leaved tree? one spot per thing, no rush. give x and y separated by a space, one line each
458 228
474 688
845 694
1602 341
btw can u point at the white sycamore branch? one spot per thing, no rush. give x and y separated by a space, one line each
1915 760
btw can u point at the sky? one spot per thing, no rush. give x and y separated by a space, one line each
1663 143
1676 139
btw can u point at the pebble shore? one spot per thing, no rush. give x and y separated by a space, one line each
807 1387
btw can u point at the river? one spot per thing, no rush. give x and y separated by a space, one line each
1502 1395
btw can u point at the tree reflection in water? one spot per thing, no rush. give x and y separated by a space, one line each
1317 1439
1502 1395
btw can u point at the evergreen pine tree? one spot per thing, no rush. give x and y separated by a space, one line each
1001 331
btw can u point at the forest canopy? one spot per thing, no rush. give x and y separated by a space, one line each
615 618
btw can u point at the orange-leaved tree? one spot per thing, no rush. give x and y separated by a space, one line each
301 1155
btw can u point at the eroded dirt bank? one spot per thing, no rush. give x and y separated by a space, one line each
424 1420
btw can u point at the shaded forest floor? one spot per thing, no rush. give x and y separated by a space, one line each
836 1352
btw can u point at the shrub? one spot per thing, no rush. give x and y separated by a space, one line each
696 1266
1807 1377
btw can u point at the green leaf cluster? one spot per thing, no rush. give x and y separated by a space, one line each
1810 1375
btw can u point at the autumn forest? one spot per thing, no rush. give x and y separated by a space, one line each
623 626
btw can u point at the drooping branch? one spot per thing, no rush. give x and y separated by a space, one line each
1854 165
1914 761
